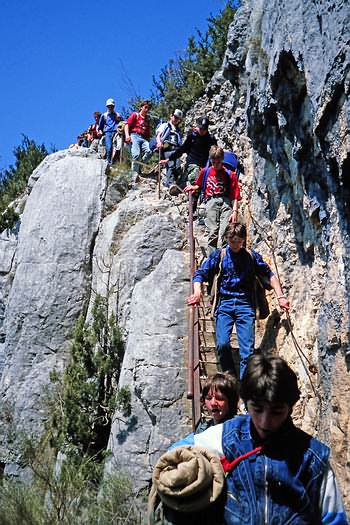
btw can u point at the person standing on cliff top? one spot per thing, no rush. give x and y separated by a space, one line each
138 132
197 145
94 133
108 125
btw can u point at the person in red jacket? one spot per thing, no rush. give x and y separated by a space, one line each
221 196
138 132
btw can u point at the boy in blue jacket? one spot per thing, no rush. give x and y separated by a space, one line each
276 473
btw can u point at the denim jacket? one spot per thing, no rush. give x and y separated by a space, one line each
238 271
279 485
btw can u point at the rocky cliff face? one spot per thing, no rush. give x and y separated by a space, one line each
139 247
77 238
45 275
281 101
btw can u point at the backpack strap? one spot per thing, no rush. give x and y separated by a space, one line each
166 132
214 293
204 184
227 171
228 466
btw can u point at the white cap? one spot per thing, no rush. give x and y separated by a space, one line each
178 113
110 102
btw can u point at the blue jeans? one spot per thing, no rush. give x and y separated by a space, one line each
109 145
139 145
230 311
173 174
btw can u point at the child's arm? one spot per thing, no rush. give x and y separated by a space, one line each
331 505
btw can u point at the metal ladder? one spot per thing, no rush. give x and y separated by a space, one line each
202 358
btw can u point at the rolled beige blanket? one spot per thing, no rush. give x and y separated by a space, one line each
186 479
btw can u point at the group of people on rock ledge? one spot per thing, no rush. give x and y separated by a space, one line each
135 132
257 467
204 173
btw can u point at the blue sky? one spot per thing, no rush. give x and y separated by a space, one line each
60 61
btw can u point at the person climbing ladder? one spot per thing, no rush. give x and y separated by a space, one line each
221 194
236 304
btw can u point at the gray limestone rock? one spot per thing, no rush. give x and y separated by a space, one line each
51 278
129 245
8 246
139 265
153 370
64 255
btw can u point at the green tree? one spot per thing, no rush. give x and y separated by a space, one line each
73 488
13 180
88 392
184 78
8 219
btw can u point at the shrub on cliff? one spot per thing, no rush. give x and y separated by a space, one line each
13 180
67 483
67 494
8 219
88 391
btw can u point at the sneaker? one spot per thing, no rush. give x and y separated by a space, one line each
175 190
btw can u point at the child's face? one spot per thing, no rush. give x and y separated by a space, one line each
267 417
235 243
216 163
217 405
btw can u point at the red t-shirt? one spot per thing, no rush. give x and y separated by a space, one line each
139 124
219 183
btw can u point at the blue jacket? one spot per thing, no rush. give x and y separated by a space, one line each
281 484
289 482
109 122
238 272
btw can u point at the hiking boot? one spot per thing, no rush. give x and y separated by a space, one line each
175 190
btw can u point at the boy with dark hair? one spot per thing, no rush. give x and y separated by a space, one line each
276 473
236 305
221 195
220 398
138 131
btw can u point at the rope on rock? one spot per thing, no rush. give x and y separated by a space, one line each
266 237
